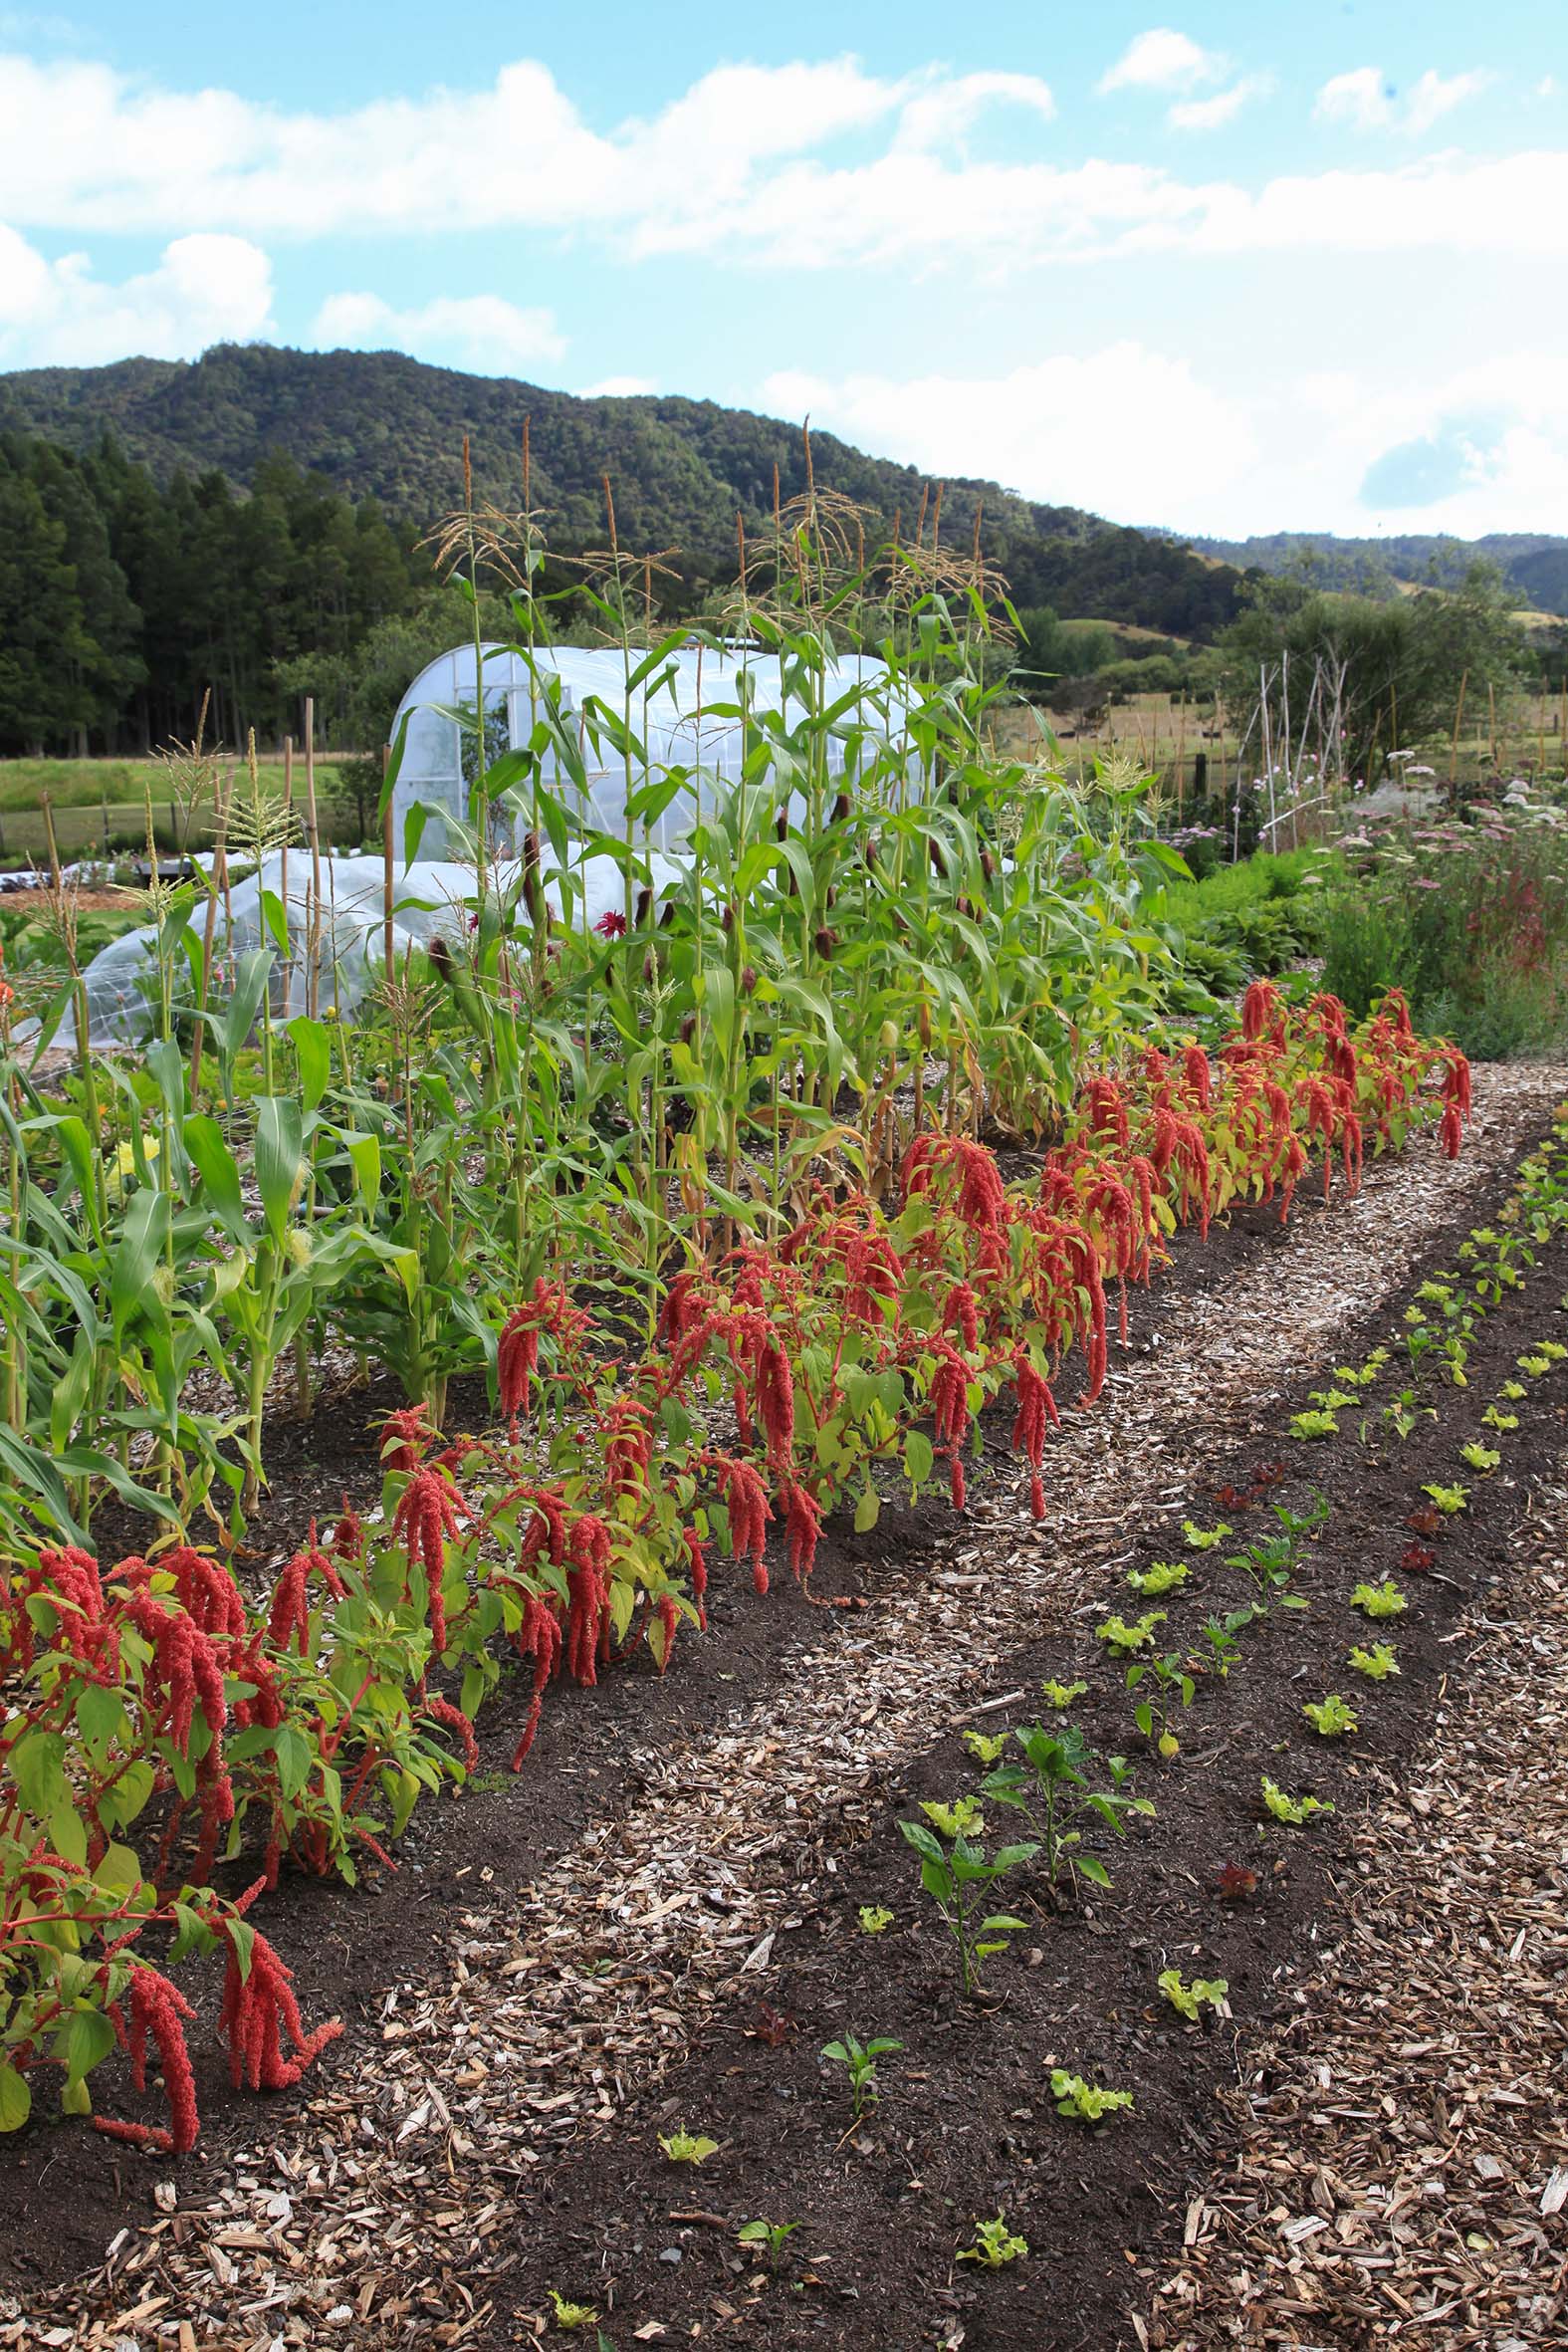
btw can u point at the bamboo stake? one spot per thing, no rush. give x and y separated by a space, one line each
1458 721
386 870
313 913
283 870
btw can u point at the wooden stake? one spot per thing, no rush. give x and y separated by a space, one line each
387 887
283 870
313 913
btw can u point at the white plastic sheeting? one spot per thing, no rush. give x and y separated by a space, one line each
430 898
672 714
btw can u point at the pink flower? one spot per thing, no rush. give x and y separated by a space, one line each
611 926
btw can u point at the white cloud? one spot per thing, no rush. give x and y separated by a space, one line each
482 331
1114 430
948 110
1358 98
1143 437
1161 60
203 290
1213 113
1365 100
620 388
1434 97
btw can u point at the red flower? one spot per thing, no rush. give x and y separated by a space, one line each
611 926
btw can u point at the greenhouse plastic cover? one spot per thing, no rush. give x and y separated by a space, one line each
431 897
674 717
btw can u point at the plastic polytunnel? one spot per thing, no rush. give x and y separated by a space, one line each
683 715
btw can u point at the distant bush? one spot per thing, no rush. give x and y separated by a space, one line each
1470 920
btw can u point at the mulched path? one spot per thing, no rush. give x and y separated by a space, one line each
1402 2168
586 1953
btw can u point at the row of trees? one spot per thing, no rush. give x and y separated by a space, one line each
122 604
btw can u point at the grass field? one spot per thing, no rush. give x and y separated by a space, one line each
100 805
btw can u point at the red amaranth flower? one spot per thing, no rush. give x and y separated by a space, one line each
741 1490
258 2006
455 1719
290 1616
1036 1410
803 1524
538 1637
161 2009
589 1597
611 926
430 1510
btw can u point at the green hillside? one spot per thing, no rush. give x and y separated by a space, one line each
1534 563
379 425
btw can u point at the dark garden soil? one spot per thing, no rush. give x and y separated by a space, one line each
966 2127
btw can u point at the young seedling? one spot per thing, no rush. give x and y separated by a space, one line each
1084 2102
1330 1717
1479 1457
1379 1601
1204 1539
994 2244
686 2147
572 2315
1117 1634
859 2059
953 1870
1061 1694
768 2238
1378 1663
1312 1426
1513 1392
1170 1687
1537 1365
1224 1651
1050 1787
1161 1575
1297 1811
1495 1420
1189 2000
986 1747
874 1920
1236 1883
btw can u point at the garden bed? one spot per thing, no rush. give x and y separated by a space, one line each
613 1809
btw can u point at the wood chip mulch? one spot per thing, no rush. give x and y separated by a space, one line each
375 2212
1401 2169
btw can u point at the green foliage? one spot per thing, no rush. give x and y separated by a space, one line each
1189 2000
954 1872
859 2062
1295 1810
1330 1717
1161 1577
1379 1601
994 2244
1376 1663
874 1919
1117 1634
688 2148
1084 2102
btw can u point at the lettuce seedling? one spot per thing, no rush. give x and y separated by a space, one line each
1187 2000
1204 1539
994 2244
1330 1717
1378 1663
1084 2102
1379 1601
1119 1635
1297 1811
687 2148
1163 1575
874 1920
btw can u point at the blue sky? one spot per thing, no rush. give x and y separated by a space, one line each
1228 267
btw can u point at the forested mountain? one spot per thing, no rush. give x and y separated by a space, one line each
1533 563
249 523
